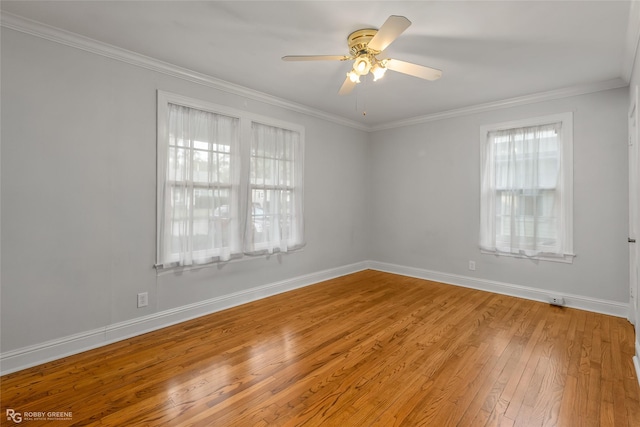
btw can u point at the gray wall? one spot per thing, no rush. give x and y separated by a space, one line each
78 195
425 198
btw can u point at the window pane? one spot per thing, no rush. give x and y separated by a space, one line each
272 208
178 164
526 157
204 170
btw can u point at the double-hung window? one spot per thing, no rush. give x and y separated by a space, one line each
526 188
229 183
276 189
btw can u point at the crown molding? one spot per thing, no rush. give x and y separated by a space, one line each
506 103
631 42
67 38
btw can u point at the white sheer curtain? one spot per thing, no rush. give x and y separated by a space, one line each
522 187
275 220
200 194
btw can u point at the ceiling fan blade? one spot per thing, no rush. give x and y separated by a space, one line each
346 87
415 70
390 30
316 58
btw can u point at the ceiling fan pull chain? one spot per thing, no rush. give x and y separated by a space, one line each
364 95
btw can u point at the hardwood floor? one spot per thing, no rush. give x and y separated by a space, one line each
366 349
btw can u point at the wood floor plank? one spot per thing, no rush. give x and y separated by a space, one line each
370 348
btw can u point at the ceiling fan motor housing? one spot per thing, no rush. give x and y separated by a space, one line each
359 42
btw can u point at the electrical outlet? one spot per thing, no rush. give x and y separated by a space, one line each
556 300
472 265
143 299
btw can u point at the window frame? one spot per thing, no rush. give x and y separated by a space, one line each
244 187
566 120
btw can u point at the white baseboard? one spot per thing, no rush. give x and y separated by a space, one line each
22 358
636 361
26 357
612 308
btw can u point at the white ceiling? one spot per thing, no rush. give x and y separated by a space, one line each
488 50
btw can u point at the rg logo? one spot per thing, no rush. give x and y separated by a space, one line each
14 416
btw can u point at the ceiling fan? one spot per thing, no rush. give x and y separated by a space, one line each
365 45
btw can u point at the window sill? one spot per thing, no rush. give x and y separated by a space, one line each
565 259
161 271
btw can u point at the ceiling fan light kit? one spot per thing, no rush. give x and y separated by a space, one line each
362 65
365 45
378 70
